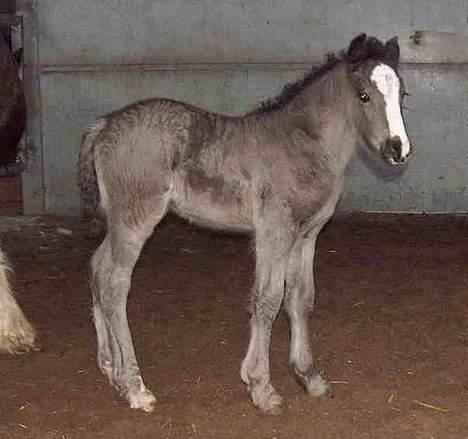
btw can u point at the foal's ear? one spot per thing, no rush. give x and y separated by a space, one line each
358 49
392 51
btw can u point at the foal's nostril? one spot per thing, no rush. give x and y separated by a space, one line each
396 147
393 149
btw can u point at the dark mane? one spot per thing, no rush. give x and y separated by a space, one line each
292 89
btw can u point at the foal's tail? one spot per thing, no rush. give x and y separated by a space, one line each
88 179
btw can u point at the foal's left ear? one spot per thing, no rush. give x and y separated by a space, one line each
358 49
392 51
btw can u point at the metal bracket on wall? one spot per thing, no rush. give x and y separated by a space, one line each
9 20
32 177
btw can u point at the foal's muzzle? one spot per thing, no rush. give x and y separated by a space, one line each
392 152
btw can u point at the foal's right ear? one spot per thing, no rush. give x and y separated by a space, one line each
358 49
392 51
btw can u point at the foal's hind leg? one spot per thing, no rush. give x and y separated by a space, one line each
101 258
112 267
16 333
299 299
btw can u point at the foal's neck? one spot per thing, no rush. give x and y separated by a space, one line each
329 109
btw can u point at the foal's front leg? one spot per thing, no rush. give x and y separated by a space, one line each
299 298
267 297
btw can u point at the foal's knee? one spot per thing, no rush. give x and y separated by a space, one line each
265 317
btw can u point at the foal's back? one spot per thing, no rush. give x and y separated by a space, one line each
209 168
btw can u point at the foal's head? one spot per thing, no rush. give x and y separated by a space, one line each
373 72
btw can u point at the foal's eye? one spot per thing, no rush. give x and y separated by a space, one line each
364 97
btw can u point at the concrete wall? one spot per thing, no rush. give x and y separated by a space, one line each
90 56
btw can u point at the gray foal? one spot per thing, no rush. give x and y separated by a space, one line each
276 173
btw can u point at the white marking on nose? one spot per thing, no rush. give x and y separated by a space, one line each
388 84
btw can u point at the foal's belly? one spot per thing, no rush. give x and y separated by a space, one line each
212 203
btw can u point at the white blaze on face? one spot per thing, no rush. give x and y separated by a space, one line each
388 84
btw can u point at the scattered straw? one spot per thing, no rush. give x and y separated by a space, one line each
358 304
338 382
24 406
431 406
168 422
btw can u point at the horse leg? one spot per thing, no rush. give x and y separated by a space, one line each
111 270
299 298
101 258
267 296
16 333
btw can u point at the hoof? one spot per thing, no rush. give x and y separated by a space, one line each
267 399
141 398
16 334
275 410
313 382
318 386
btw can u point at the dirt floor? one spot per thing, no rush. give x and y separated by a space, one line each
390 329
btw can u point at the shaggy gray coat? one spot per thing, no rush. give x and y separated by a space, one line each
276 173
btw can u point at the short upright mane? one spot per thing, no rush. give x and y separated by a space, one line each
292 89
